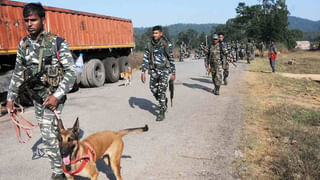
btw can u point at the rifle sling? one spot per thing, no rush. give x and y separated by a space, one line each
41 55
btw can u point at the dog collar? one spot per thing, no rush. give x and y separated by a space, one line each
85 158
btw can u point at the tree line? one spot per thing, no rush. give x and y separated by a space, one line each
262 22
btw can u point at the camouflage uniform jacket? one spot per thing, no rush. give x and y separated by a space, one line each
59 68
225 49
214 56
181 48
249 48
162 56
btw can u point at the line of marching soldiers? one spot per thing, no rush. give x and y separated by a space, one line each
221 53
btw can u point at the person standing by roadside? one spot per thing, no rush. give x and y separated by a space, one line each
47 54
273 55
158 60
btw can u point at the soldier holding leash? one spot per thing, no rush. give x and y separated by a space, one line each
47 54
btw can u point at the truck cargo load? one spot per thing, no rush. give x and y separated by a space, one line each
104 41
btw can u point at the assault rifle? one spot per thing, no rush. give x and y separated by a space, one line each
26 89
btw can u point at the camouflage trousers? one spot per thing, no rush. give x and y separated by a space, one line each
48 127
181 56
159 85
217 75
226 71
249 57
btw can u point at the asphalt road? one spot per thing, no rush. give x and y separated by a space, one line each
196 141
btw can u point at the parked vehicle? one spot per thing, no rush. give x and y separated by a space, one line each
104 41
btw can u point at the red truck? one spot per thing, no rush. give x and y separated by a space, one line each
104 41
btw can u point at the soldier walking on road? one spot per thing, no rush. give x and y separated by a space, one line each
242 51
237 49
181 51
262 48
216 63
158 59
43 52
249 51
273 55
225 55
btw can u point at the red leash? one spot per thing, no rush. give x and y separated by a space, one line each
24 124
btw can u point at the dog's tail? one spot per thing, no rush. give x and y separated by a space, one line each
136 130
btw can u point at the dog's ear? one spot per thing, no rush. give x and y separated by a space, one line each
75 128
60 124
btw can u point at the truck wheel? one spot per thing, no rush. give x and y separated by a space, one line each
95 73
78 80
111 65
124 63
83 78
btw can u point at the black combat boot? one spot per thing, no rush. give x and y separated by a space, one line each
216 90
55 176
161 115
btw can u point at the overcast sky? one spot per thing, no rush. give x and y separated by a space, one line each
146 13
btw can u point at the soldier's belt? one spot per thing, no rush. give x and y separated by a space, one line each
160 65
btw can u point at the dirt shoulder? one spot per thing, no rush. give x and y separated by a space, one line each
280 134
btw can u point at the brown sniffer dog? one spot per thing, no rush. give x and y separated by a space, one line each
80 157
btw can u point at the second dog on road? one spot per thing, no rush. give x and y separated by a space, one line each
127 76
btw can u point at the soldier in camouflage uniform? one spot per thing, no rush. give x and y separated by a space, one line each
253 50
237 49
44 52
215 61
242 51
225 52
249 51
262 48
158 59
181 51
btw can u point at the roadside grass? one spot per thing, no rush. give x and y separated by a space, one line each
281 133
307 62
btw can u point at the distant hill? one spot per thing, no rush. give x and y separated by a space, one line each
304 25
174 29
